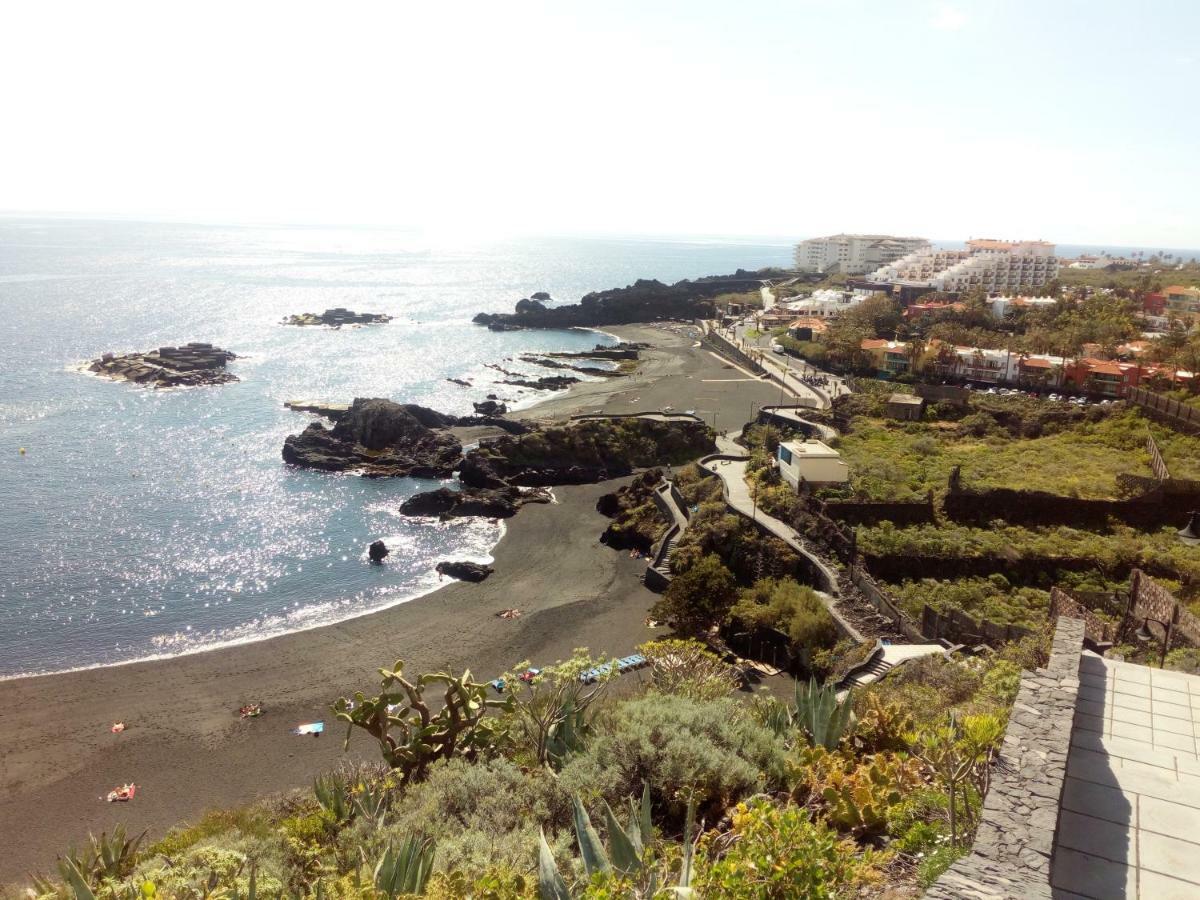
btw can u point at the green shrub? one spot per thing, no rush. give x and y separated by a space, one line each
790 607
780 853
675 744
699 597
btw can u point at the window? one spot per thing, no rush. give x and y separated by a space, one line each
785 455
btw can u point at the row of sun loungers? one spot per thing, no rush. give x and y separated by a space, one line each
625 664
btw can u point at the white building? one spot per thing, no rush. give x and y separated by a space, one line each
811 461
853 254
824 304
1001 306
986 265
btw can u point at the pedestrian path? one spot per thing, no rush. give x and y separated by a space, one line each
730 467
1129 815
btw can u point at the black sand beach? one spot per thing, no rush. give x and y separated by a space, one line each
187 750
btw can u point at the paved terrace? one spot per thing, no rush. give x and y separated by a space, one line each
1129 823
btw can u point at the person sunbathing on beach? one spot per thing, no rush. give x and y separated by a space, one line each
123 794
250 711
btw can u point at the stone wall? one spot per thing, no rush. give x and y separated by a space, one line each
959 628
885 604
1010 859
900 513
723 346
1149 599
1096 629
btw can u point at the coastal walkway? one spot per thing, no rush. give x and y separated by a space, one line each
668 499
730 466
652 415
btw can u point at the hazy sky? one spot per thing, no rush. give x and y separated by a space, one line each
1070 121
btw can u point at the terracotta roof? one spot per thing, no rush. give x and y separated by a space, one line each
1037 363
1106 369
873 343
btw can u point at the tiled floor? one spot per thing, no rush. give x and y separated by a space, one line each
1129 826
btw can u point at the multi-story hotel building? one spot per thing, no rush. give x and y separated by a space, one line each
853 254
985 264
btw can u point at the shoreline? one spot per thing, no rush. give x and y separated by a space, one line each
471 433
184 745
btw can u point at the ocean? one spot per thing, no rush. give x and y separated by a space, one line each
141 524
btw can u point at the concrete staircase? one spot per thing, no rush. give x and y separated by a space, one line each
668 499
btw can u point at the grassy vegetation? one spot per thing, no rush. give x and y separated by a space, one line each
782 799
890 461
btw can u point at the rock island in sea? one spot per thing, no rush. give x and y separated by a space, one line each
192 364
336 318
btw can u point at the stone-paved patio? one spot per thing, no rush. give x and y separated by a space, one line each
1129 823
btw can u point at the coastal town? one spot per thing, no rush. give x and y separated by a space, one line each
947 590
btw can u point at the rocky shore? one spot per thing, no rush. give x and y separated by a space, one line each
643 301
379 438
497 503
191 365
336 318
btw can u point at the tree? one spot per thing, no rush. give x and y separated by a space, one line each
699 597
959 754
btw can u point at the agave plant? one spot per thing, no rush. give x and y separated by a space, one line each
820 715
371 803
405 869
625 855
333 794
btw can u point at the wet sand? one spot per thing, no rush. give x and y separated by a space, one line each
187 750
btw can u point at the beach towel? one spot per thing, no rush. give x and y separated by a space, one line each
122 794
313 728
251 711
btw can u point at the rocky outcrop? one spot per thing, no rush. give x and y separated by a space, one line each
642 301
336 318
379 438
545 383
377 551
621 351
490 408
555 364
330 411
191 365
459 381
500 503
465 571
584 452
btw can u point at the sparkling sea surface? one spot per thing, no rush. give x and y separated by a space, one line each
144 523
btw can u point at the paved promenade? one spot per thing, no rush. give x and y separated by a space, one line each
1129 823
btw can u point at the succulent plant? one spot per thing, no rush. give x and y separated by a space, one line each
819 713
410 735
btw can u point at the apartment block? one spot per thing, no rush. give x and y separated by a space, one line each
988 265
853 254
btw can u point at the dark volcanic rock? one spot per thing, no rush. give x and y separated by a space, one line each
501 503
464 571
540 295
377 551
490 408
623 350
642 301
584 452
338 317
459 381
187 366
545 383
379 437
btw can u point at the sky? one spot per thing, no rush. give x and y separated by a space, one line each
1068 121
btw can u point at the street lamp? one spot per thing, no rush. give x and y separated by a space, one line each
1190 533
1144 634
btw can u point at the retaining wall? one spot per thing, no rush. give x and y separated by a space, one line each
959 628
1015 841
725 347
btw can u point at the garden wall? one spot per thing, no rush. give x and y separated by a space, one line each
1180 416
726 348
870 512
1015 841
959 628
